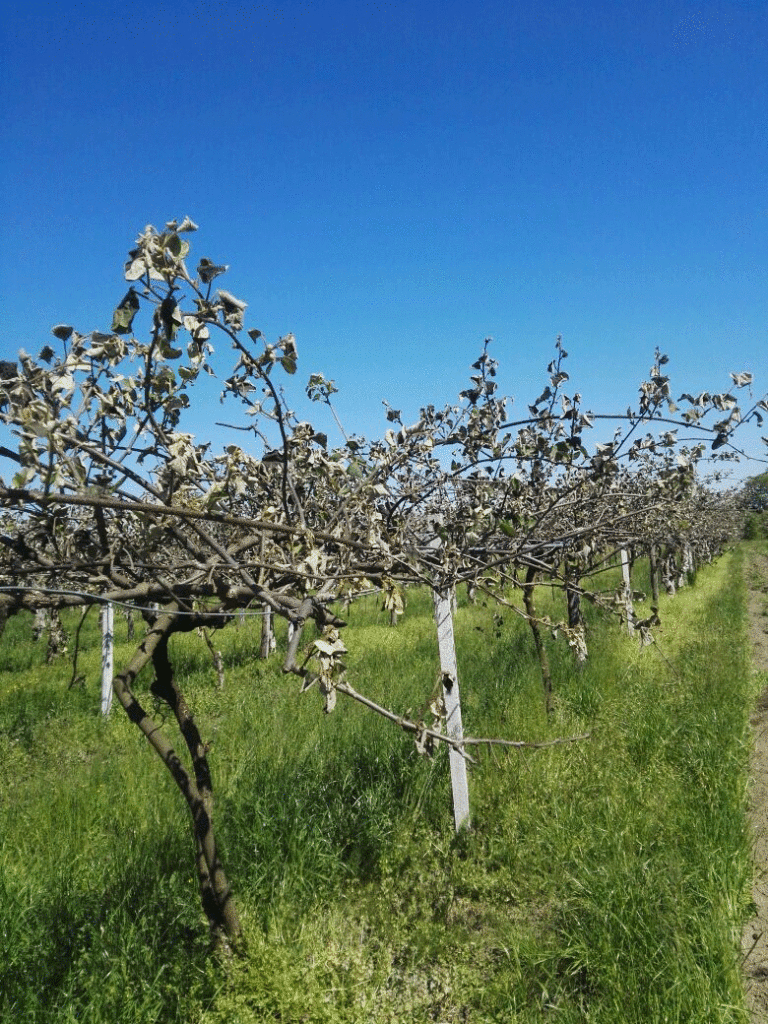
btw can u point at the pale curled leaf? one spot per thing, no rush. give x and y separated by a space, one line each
332 648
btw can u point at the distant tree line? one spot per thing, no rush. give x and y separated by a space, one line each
755 499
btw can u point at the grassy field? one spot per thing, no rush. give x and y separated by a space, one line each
604 881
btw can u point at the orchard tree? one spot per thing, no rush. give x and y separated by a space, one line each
112 497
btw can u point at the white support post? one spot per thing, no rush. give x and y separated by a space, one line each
267 633
450 674
107 656
627 591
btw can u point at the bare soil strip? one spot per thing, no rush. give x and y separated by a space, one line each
754 942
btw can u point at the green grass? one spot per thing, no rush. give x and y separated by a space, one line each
602 882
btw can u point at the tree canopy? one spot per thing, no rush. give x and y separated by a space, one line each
113 497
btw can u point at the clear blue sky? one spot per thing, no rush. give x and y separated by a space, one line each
393 182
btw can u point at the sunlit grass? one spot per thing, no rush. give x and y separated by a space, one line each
603 881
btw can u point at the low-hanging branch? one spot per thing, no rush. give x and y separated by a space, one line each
419 729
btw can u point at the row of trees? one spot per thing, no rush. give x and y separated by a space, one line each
109 498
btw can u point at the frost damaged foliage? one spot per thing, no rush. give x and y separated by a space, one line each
462 493
326 652
112 495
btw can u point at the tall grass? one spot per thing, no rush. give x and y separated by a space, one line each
604 881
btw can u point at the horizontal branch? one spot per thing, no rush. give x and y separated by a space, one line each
14 495
408 725
31 598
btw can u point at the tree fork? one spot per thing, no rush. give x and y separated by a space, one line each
214 889
216 896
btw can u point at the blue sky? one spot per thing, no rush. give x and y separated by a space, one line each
393 182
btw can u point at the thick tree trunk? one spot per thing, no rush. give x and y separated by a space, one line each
39 623
57 637
576 639
215 894
669 572
654 570
573 602
530 608
129 622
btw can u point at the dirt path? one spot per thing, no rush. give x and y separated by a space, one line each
754 941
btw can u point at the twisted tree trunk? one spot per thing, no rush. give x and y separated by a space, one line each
215 893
